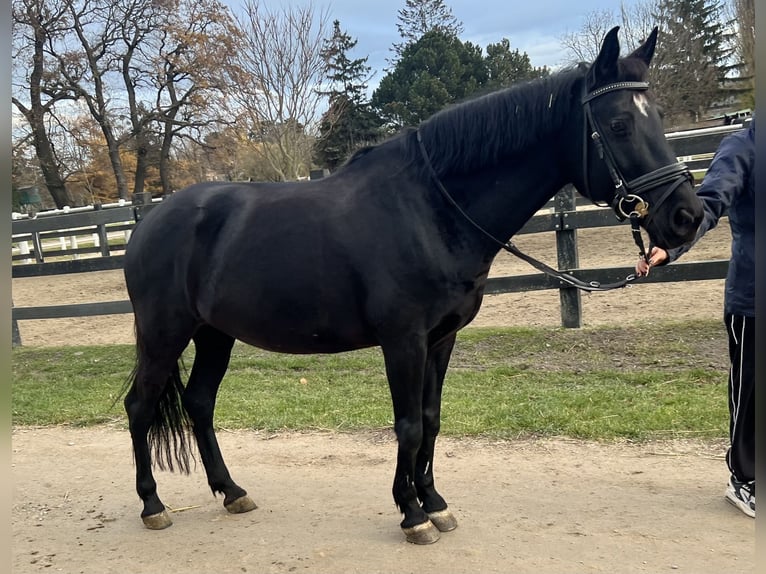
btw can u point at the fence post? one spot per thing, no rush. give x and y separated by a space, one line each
143 198
15 334
73 246
566 248
37 246
24 250
140 200
103 240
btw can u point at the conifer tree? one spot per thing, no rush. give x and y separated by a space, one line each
506 67
421 16
435 71
349 121
693 58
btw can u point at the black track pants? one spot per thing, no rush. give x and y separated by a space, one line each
741 454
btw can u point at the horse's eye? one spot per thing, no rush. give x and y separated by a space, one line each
618 126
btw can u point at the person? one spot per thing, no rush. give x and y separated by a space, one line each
729 187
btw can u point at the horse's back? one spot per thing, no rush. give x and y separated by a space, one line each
316 266
275 265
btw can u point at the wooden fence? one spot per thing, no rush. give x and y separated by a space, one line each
87 232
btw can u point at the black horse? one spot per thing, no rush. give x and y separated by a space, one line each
391 250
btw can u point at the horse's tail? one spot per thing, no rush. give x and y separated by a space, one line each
169 429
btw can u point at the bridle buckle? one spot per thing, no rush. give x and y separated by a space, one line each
640 207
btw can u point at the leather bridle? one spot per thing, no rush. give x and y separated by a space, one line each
627 202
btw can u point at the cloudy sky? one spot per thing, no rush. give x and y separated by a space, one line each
531 26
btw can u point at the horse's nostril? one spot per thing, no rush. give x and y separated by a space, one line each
685 220
685 223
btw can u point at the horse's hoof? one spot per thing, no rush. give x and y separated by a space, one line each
425 533
240 505
157 521
444 520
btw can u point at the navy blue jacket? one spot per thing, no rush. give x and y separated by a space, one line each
729 186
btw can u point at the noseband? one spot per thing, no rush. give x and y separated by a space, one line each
628 202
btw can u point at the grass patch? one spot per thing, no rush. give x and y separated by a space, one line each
646 382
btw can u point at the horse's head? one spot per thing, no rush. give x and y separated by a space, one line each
627 160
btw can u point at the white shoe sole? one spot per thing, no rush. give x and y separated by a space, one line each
745 508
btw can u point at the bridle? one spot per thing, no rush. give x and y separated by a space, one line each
627 202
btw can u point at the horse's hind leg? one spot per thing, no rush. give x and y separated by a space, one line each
212 353
433 504
154 412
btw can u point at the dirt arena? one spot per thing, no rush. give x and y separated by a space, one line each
542 506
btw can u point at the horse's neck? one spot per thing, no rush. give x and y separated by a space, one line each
502 199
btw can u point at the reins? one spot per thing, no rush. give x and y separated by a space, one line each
627 202
508 246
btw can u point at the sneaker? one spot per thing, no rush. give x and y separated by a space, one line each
742 495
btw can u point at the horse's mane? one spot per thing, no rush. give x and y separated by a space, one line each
482 130
479 132
361 152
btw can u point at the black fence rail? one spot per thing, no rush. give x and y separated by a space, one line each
95 225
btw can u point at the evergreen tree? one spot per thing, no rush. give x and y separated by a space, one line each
693 58
421 16
506 67
349 121
433 72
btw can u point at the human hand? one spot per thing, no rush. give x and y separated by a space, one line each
657 256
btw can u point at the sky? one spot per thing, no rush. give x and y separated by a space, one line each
531 26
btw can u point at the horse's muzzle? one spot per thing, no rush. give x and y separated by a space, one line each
686 221
677 224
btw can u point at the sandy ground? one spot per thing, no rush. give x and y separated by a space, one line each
546 506
543 506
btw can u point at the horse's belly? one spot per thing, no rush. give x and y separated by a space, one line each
293 325
302 344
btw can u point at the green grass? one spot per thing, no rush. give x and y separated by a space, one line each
649 382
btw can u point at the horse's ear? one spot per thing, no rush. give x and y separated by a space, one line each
646 50
604 68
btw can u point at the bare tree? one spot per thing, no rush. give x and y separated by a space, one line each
83 64
277 72
197 41
80 144
37 26
134 54
584 44
88 66
744 18
147 70
635 20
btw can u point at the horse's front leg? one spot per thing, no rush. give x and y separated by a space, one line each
432 502
405 361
